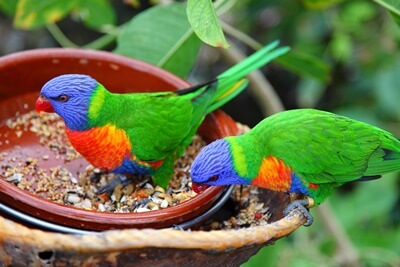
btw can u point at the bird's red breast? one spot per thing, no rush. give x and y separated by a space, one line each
104 147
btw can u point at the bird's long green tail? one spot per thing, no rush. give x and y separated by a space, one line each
233 81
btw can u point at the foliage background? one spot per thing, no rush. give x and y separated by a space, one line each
345 59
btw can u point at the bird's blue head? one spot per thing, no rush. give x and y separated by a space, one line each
214 166
69 96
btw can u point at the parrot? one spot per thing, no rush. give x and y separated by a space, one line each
141 133
306 153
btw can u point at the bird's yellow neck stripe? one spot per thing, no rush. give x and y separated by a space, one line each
96 102
238 156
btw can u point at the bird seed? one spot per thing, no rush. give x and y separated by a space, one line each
60 185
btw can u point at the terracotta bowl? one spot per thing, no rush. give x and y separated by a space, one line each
23 74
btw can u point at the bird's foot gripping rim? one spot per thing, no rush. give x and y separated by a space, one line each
303 205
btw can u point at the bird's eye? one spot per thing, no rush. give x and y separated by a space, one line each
213 178
63 98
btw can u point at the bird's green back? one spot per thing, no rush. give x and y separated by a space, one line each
322 147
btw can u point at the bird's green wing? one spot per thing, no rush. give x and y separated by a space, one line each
323 147
155 123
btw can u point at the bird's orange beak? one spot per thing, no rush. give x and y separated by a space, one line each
199 188
43 105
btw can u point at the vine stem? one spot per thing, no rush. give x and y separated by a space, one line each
99 43
60 36
237 34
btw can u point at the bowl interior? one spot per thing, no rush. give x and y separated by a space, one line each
23 74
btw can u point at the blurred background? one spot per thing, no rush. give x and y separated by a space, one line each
345 59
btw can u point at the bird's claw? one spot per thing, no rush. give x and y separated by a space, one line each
178 227
96 176
110 186
303 205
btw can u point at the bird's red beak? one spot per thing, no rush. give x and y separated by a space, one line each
199 188
43 105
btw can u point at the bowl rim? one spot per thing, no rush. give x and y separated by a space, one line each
17 58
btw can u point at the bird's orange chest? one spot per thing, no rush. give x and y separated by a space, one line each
104 147
273 174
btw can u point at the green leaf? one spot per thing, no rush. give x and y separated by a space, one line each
370 202
269 252
163 37
320 4
96 14
305 65
133 3
354 15
201 15
33 14
8 7
391 5
341 46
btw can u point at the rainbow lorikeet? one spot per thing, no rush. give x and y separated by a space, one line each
305 152
141 133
